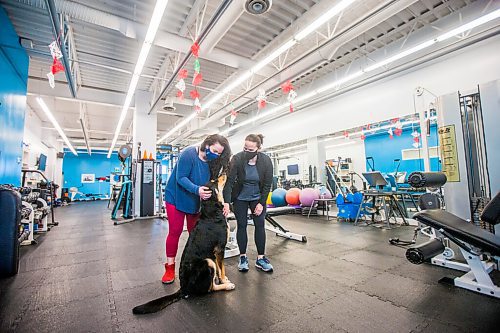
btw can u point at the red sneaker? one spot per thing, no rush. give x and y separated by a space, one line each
169 275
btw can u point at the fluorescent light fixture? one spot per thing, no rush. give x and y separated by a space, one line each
141 60
477 22
275 54
333 85
49 115
323 19
341 144
284 149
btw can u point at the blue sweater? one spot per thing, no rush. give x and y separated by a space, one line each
188 175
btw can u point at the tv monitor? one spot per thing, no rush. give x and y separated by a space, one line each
42 162
293 169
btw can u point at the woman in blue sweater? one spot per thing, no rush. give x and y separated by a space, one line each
185 187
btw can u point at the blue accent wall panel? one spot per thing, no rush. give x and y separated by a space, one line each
98 164
14 64
385 150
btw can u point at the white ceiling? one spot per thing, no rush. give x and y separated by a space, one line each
106 37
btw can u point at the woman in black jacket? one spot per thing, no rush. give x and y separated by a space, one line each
248 185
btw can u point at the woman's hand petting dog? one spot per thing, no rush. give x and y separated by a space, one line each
204 192
226 209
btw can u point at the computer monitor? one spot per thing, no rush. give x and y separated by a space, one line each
375 179
292 169
42 162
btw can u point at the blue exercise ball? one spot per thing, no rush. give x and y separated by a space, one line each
279 197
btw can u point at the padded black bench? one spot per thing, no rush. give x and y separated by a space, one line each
473 242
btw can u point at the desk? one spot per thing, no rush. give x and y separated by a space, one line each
388 207
327 205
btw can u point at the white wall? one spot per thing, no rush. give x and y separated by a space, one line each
41 141
385 99
355 151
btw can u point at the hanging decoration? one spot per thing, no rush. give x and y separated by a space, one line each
194 94
195 49
57 66
197 77
391 133
346 135
363 136
181 84
232 118
399 128
197 105
416 139
261 99
288 88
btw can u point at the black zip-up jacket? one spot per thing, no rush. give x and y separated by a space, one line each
234 183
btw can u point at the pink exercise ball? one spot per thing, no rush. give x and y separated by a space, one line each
307 196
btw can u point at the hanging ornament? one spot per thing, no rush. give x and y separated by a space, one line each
196 65
286 87
197 105
52 83
291 97
261 99
181 86
197 78
415 134
57 66
346 135
390 133
363 136
195 49
55 51
233 114
415 145
194 94
183 73
398 131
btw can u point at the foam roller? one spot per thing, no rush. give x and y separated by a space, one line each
423 252
426 179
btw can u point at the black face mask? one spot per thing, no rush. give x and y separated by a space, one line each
250 154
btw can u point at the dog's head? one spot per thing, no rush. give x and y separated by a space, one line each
212 207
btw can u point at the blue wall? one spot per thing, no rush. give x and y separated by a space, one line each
385 150
98 164
14 64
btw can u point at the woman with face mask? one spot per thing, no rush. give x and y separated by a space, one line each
247 187
185 187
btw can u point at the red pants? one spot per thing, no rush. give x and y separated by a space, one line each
175 226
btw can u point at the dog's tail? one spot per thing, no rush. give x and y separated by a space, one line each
157 304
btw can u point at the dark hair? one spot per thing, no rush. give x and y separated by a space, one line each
257 138
220 165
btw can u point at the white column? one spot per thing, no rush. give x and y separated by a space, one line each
422 108
144 133
316 156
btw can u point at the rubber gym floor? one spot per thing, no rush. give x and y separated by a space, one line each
86 275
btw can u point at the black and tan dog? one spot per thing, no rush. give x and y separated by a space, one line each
202 262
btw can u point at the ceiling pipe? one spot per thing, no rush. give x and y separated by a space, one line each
213 20
51 8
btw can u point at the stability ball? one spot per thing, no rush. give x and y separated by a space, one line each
278 197
269 202
307 196
292 196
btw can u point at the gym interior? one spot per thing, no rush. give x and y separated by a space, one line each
379 117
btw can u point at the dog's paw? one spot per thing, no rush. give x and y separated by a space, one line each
225 280
230 286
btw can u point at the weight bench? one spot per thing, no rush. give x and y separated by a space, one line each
474 243
274 226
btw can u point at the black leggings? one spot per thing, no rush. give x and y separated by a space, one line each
241 213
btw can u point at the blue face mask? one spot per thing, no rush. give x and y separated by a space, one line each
209 155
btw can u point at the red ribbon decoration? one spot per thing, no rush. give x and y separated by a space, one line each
261 104
398 131
183 73
57 66
194 94
195 49
363 137
180 95
416 139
